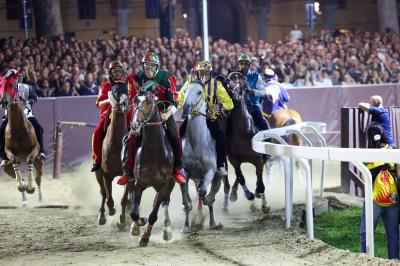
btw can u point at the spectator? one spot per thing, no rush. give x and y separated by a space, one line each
89 87
379 115
389 214
44 90
295 34
64 91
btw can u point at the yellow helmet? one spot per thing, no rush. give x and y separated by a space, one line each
269 74
203 66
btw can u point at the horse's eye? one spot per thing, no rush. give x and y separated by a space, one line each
199 92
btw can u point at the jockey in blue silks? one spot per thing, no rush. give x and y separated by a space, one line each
275 94
255 91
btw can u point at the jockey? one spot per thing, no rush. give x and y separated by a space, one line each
117 75
254 91
28 95
166 84
275 94
217 100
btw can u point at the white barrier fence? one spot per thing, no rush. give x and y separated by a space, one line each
301 153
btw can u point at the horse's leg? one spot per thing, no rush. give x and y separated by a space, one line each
144 240
233 196
124 202
198 218
21 184
110 201
215 186
137 220
38 179
30 189
202 188
240 178
227 187
167 231
99 177
187 204
260 189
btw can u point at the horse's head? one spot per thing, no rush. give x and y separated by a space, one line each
194 102
119 97
145 108
236 83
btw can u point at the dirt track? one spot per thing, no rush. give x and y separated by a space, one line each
42 236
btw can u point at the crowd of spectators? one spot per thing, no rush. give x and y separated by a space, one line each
60 67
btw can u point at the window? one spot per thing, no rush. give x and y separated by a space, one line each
12 8
87 9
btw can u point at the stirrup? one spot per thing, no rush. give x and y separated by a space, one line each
42 156
3 163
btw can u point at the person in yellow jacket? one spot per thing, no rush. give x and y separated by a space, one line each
217 100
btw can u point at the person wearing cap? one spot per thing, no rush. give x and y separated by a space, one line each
255 91
276 96
28 94
166 87
379 115
217 100
116 75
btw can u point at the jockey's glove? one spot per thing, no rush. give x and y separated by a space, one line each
101 103
165 115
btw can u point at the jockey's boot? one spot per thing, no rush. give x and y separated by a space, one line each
124 179
178 175
95 167
222 171
42 156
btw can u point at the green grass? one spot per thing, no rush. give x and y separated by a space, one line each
341 229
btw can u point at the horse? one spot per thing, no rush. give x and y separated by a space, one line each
199 155
21 145
111 165
153 166
240 131
286 117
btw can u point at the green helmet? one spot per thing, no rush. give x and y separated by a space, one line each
244 57
115 64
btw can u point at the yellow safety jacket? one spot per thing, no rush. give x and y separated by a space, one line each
211 89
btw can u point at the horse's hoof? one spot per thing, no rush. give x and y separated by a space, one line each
225 211
135 229
21 188
30 191
167 233
185 230
111 211
209 200
258 195
102 220
265 209
24 204
249 195
233 197
121 227
143 242
216 226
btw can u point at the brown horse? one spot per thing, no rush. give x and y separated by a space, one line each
286 117
111 165
241 130
153 166
21 145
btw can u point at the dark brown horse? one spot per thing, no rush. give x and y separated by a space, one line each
111 165
21 145
153 166
240 131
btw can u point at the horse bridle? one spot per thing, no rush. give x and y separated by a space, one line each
148 118
236 90
194 110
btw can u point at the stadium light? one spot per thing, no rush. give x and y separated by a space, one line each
205 31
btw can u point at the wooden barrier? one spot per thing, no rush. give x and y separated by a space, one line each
58 142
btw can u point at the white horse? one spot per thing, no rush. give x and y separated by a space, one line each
199 155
